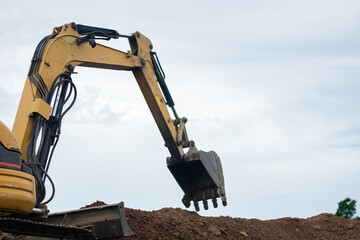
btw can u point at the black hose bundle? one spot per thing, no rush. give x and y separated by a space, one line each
46 133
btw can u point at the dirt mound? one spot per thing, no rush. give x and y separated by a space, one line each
169 223
95 204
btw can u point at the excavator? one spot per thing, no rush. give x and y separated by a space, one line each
48 94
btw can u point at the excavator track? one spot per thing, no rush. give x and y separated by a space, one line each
25 227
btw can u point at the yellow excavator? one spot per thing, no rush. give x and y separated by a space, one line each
48 94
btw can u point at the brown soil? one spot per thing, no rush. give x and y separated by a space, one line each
95 204
169 223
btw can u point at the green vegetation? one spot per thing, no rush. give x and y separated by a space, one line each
347 208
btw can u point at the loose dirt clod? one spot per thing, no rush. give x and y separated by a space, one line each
95 204
170 223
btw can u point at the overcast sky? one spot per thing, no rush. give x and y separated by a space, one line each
271 86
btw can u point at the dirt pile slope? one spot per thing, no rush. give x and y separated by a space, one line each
169 223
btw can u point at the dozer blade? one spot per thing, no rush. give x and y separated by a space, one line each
104 222
200 176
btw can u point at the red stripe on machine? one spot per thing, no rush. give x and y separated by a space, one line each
10 165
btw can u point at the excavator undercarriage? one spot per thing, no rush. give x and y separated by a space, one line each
49 93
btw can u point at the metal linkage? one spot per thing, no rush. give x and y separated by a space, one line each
90 34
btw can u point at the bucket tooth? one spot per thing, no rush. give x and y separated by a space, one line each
206 206
196 205
215 204
186 201
213 198
204 199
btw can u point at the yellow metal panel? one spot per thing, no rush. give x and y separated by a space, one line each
7 138
23 124
17 192
41 107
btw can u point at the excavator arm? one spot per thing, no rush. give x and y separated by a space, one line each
48 90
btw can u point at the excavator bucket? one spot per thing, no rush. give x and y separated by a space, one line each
200 176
